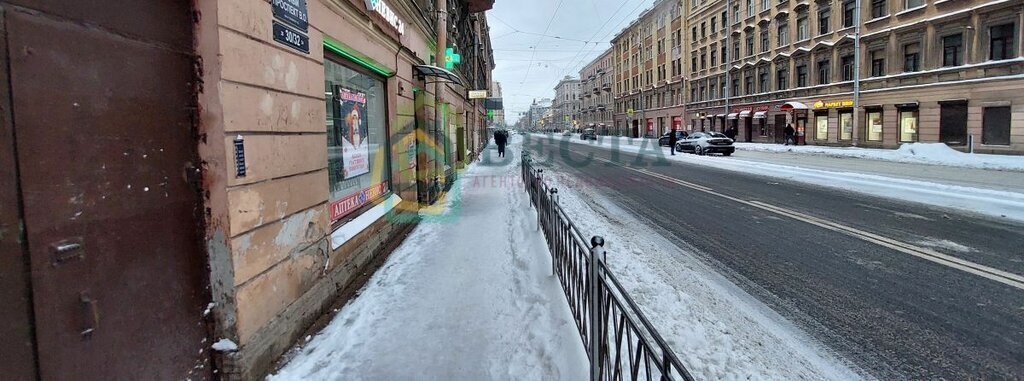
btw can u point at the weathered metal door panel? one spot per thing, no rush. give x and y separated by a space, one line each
17 353
105 139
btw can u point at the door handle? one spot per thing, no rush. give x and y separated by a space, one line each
90 313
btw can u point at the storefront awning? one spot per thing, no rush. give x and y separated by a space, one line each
760 115
793 106
434 71
731 116
720 116
744 114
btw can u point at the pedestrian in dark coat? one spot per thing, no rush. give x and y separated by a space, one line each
501 138
672 141
731 133
789 131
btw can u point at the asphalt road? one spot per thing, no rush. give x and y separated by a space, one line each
874 279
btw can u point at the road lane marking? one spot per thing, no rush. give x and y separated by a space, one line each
1010 279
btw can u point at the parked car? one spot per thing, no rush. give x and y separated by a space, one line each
588 134
703 143
663 140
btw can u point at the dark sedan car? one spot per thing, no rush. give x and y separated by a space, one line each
703 143
663 140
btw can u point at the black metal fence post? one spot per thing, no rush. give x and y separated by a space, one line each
596 253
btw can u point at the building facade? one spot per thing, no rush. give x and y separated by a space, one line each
282 154
648 72
927 72
565 106
597 107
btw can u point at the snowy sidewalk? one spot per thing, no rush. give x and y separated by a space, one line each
468 296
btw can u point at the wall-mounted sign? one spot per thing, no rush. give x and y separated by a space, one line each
477 94
239 156
292 12
348 204
291 37
833 104
382 9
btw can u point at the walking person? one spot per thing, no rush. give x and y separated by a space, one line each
672 141
789 131
500 138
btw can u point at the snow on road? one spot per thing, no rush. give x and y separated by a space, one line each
994 203
718 330
468 296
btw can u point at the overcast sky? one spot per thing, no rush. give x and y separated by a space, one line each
538 42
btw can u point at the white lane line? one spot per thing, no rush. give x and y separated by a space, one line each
987 272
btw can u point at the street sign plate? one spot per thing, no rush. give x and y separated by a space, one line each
292 12
291 37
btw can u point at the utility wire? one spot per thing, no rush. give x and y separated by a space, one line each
550 21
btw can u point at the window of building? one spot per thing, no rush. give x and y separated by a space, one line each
1001 42
783 34
357 138
824 74
661 47
915 3
735 87
952 48
995 125
725 19
693 63
908 125
877 63
713 28
782 79
735 13
722 84
750 45
764 41
848 13
801 76
750 8
724 52
802 32
736 51
714 55
874 125
911 57
847 62
821 126
749 83
823 21
763 81
765 4
703 30
703 61
694 33
846 124
879 8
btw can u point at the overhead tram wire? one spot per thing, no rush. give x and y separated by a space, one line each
534 55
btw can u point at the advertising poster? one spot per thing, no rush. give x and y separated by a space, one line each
353 132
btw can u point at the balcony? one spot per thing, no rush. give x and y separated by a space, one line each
475 6
600 108
606 86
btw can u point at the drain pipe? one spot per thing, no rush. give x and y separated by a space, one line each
856 75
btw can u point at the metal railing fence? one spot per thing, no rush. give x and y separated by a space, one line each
621 343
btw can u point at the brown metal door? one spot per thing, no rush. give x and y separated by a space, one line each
102 94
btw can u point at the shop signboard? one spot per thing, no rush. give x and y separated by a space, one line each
843 103
477 94
348 204
291 37
385 12
291 12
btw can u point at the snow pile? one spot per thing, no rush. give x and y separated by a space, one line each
468 296
224 345
916 153
718 331
993 203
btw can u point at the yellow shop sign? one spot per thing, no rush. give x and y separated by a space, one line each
834 104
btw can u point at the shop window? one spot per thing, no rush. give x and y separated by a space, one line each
821 126
995 129
952 50
357 138
846 125
908 125
1001 42
873 121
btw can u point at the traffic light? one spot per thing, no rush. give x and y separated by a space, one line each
451 58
